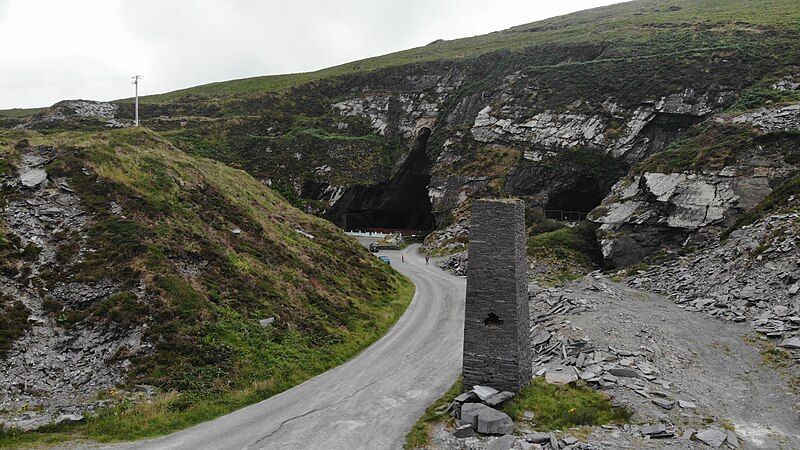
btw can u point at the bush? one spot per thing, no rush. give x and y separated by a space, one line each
13 323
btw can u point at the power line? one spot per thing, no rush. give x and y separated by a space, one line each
61 83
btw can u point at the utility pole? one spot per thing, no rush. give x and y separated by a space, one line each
136 79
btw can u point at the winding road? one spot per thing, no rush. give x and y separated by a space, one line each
369 402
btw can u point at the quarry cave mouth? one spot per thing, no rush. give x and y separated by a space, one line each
400 203
577 200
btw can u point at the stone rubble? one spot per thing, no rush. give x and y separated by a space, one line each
52 374
756 278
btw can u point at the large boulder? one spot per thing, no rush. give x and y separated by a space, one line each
486 420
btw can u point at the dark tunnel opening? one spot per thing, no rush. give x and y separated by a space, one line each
401 203
576 201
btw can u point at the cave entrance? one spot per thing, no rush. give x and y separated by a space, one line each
573 204
399 204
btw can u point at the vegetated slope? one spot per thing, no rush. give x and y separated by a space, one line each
137 272
555 112
637 28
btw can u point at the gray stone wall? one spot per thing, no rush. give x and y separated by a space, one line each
497 342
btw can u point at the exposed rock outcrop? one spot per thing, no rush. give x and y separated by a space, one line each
54 372
77 114
683 197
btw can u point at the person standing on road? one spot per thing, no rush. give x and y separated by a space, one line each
402 257
427 259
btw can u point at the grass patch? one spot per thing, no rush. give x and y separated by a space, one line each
709 146
761 96
563 407
13 323
564 254
419 436
639 29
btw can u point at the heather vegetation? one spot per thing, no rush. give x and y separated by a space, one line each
216 251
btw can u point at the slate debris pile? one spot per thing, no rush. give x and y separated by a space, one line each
53 374
455 264
480 424
753 276
476 411
562 356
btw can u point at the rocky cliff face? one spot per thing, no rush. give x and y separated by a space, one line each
685 196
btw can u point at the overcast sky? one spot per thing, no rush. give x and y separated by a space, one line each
58 49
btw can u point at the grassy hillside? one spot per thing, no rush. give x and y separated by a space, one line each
217 251
634 29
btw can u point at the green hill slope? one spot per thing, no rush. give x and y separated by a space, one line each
633 29
191 254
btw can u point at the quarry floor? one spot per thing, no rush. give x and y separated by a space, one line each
718 365
725 368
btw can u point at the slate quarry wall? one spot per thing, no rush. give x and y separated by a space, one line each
497 343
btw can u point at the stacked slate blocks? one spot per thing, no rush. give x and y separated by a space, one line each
497 341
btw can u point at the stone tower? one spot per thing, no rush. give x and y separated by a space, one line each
497 340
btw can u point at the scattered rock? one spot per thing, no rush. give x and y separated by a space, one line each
712 436
484 392
33 177
500 443
498 399
537 438
464 431
623 372
486 420
569 440
793 343
649 430
666 404
560 376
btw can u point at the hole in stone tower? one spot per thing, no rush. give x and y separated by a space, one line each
401 203
576 201
492 320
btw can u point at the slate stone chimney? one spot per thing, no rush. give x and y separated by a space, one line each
497 340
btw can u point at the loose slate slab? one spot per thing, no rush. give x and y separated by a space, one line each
569 440
666 404
501 443
33 178
623 372
686 404
498 399
484 392
537 438
466 397
565 376
712 436
464 431
649 430
793 343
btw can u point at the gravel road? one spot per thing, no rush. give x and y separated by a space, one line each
371 401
